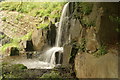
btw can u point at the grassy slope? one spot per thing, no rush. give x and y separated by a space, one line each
35 9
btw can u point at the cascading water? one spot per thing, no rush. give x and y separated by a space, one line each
50 55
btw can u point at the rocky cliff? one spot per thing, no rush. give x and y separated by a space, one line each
92 31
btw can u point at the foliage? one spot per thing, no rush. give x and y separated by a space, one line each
82 45
27 36
43 26
115 19
87 23
74 51
4 47
34 8
3 18
53 74
15 42
101 51
2 36
86 8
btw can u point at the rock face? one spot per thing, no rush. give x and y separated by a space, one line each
38 39
88 66
91 41
14 51
51 34
99 31
66 54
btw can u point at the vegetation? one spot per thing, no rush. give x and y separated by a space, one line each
87 23
43 25
53 74
101 51
15 42
86 8
34 8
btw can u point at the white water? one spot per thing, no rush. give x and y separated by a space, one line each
64 14
49 55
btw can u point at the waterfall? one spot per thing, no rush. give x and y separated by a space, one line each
64 15
54 54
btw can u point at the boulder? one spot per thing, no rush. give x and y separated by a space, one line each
89 66
38 39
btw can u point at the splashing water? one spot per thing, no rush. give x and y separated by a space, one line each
49 56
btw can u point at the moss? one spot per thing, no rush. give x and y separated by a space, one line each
53 74
42 26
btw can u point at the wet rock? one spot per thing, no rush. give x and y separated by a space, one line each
89 66
14 51
51 34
